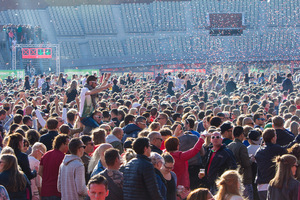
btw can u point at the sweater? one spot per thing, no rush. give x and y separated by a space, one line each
71 178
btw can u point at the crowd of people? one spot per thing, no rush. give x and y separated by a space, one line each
22 34
174 137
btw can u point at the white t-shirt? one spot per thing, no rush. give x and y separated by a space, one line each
41 81
86 105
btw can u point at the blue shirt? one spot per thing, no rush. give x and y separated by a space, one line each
99 168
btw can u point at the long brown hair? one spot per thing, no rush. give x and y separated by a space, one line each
16 180
228 185
283 174
14 141
198 194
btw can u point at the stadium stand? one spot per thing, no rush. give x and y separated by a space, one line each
24 17
200 9
65 20
69 50
204 43
106 48
283 13
3 18
168 16
180 44
142 46
279 41
98 19
2 62
136 18
247 43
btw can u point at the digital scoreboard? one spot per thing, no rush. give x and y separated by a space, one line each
36 53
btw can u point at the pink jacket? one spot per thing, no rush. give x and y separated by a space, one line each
181 163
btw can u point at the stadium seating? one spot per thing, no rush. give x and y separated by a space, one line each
200 9
3 18
106 48
69 50
136 18
168 16
246 44
65 21
98 19
283 13
279 41
24 17
206 44
142 46
2 62
180 44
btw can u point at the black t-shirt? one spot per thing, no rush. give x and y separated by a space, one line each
71 96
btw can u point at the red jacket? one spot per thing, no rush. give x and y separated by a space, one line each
181 163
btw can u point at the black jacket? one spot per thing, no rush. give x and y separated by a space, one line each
155 149
287 85
23 162
222 161
284 137
18 195
140 180
48 138
230 87
264 159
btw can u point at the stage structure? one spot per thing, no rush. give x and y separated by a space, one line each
36 52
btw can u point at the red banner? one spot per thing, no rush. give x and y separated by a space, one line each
36 53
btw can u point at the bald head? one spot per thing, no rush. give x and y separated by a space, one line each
118 132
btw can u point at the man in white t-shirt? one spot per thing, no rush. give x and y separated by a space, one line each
38 150
88 99
41 81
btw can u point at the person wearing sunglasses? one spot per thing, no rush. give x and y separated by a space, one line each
219 160
259 121
71 177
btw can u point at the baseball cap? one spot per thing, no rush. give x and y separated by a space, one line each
254 136
135 105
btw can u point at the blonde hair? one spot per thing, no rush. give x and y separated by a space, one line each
229 184
97 155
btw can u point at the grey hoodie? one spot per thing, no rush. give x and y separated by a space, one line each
71 179
115 142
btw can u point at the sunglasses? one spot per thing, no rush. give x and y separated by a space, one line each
262 119
169 168
215 137
82 146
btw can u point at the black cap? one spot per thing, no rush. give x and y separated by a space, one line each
254 135
226 126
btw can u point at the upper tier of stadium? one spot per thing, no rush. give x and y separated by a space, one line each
125 33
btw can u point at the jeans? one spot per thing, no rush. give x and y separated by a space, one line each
51 198
262 195
248 192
